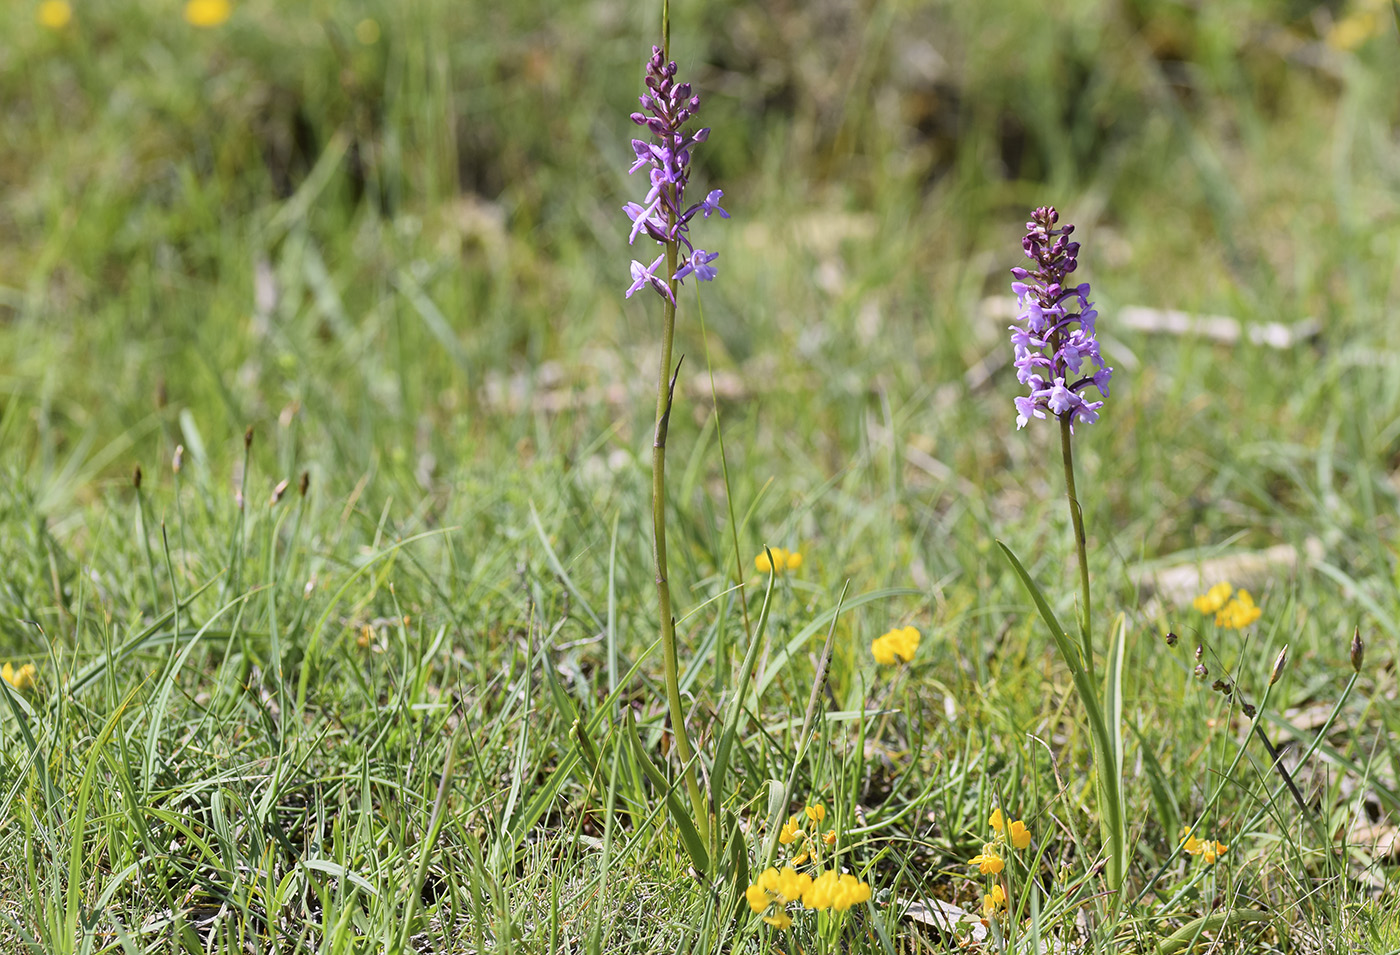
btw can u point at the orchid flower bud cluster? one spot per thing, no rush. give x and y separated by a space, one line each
1058 336
662 214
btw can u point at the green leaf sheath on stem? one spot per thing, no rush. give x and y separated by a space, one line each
665 393
1106 742
691 837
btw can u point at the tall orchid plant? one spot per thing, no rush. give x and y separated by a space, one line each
664 218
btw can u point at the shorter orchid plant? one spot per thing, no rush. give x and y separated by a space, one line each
1056 348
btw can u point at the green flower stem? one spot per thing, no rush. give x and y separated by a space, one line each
665 392
1106 768
1076 515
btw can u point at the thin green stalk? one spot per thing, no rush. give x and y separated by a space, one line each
1106 761
1076 515
665 393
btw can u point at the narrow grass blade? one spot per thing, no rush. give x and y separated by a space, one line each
736 705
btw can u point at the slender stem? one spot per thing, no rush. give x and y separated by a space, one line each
1076 515
665 387
1107 770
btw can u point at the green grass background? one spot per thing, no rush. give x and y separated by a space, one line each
400 263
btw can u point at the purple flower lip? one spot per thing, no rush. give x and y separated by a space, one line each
1059 335
662 215
699 265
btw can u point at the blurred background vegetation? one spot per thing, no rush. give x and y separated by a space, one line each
388 217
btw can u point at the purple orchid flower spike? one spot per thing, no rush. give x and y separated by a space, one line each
662 215
1058 335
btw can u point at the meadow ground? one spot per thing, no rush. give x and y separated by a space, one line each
328 607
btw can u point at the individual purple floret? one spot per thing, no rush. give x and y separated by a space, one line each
1057 336
644 275
662 214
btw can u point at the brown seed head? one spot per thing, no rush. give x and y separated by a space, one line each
248 438
304 483
1279 663
1171 638
1201 671
136 478
1358 651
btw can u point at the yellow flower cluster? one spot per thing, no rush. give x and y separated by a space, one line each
54 14
1208 849
989 860
1213 599
829 890
1019 835
21 679
208 13
895 645
1236 613
792 831
783 560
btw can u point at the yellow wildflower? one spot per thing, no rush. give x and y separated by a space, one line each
54 14
988 862
1238 613
1212 849
1189 842
758 897
783 559
996 820
993 901
791 884
849 891
790 833
21 679
830 837
208 13
897 644
801 858
816 812
1214 598
835 891
1020 835
818 894
772 887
